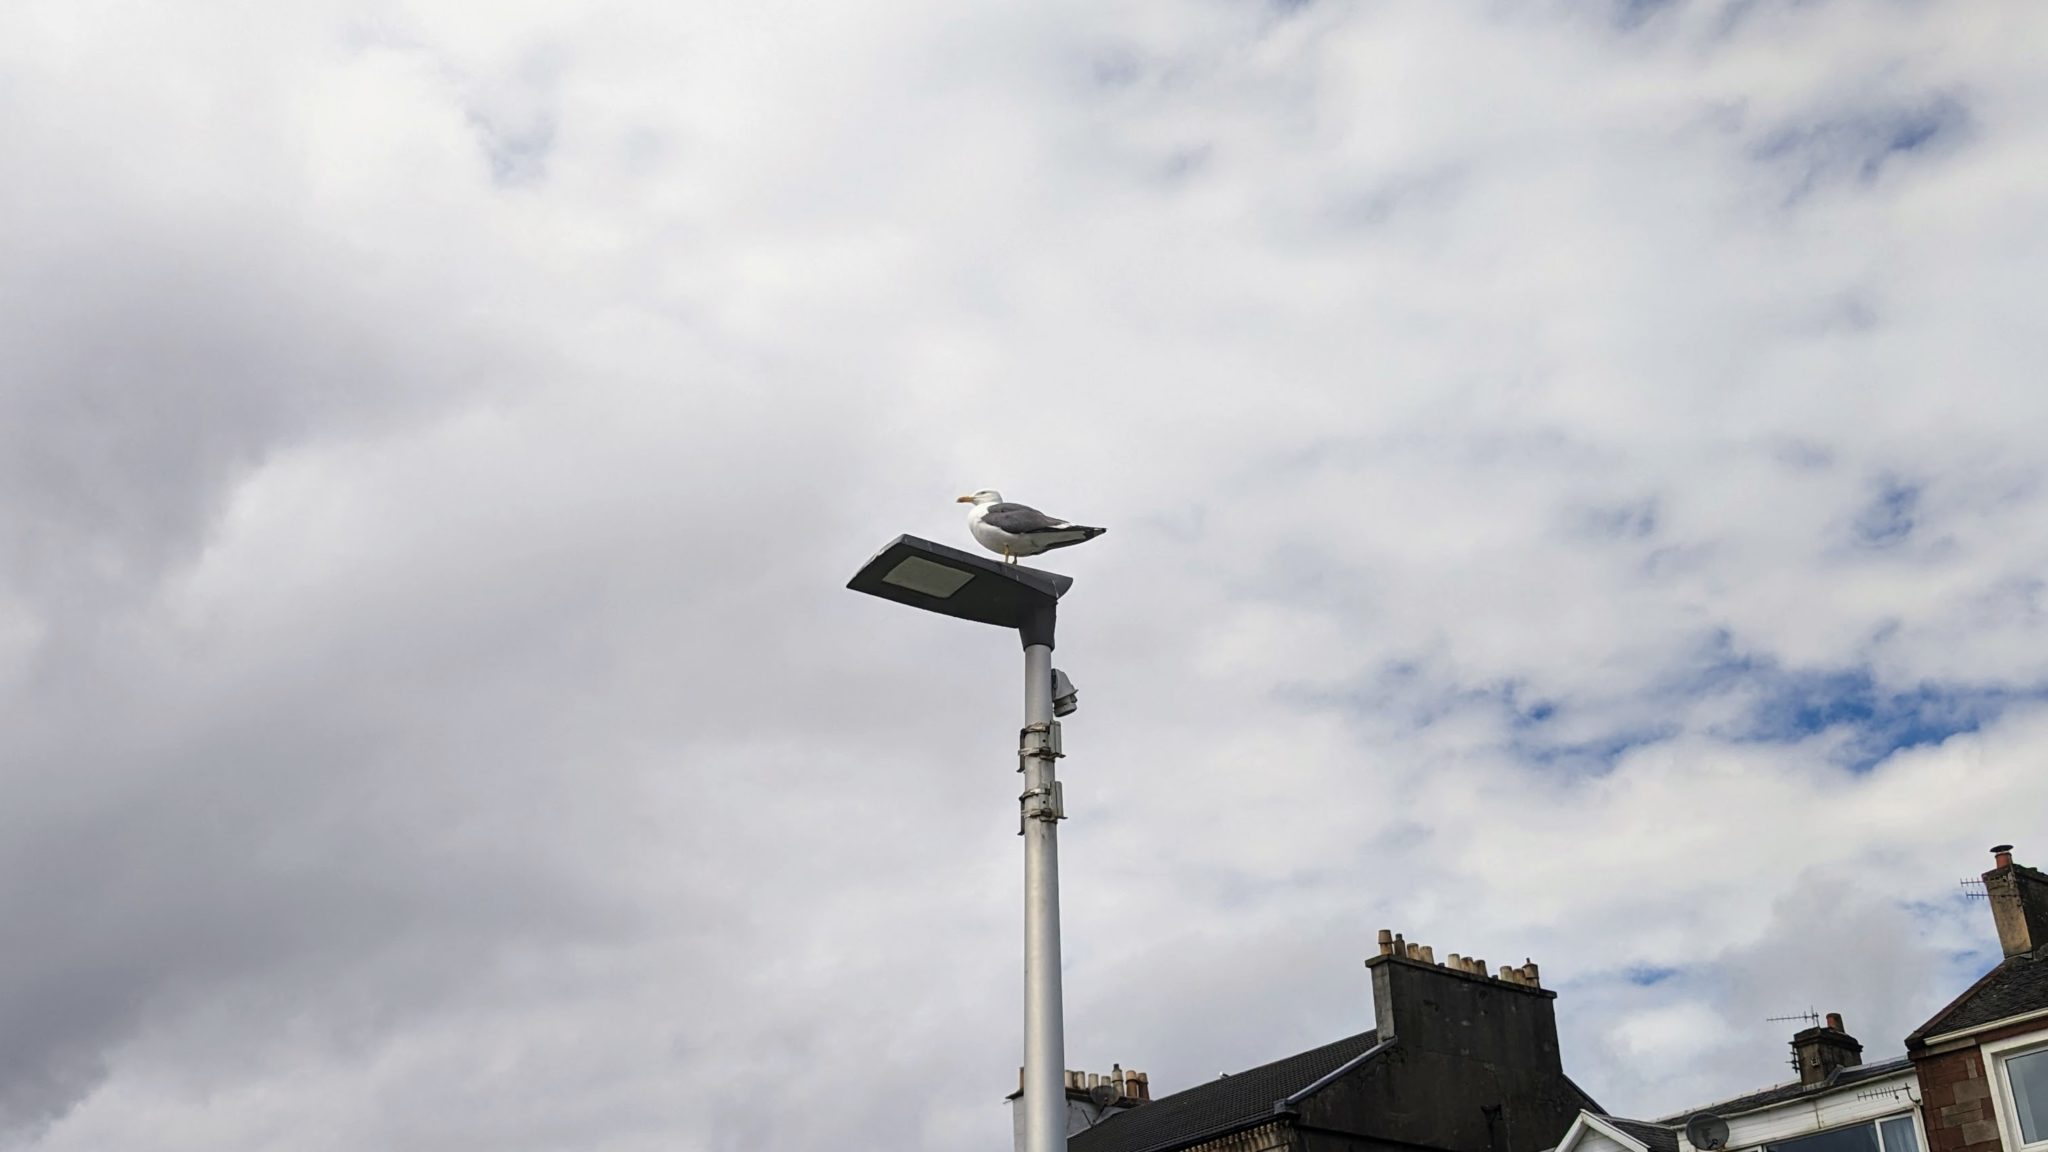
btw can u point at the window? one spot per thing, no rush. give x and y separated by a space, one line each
1895 1134
2019 1080
1899 1135
1861 1138
2027 1076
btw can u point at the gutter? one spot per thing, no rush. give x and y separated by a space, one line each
1288 1103
1814 1093
2006 1022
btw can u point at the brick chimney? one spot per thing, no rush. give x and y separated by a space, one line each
1821 1052
2019 903
1474 1065
1091 1098
1435 1005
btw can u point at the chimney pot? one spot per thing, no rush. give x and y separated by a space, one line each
1821 1052
1428 954
1386 942
2001 854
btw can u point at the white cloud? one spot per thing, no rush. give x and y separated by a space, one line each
1553 457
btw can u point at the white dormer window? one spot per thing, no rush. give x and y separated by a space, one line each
1891 1134
2020 1075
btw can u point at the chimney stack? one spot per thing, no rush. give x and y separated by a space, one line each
1821 1052
2019 903
1092 1097
1456 1006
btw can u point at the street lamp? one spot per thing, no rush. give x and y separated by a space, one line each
955 583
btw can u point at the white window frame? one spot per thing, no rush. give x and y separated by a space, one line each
1919 1125
2003 1104
1875 1122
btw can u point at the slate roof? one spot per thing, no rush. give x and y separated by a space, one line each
1226 1105
2017 986
1655 1137
1842 1077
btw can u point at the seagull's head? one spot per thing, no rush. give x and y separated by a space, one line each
985 496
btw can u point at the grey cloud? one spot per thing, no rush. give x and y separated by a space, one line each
433 457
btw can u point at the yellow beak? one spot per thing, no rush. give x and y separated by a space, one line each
964 500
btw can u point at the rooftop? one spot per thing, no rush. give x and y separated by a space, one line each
1655 1137
1220 1106
2016 987
1764 1098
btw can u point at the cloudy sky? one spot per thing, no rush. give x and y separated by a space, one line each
1573 467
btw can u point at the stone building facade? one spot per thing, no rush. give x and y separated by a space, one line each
1983 1059
1459 1059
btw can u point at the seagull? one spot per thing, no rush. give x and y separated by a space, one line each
1017 530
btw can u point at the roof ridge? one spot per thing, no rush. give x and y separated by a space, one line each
1786 1090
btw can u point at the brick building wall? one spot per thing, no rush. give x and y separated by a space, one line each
1955 1096
1955 1093
1275 1137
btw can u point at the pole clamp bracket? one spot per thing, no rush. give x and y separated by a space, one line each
1038 742
1045 803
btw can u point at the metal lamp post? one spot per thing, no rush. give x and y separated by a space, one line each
955 583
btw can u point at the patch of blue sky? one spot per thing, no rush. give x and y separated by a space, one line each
1867 720
1646 976
1633 13
1595 756
1635 520
1791 704
1537 731
1859 145
1889 517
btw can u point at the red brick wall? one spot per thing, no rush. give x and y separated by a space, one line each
1956 1099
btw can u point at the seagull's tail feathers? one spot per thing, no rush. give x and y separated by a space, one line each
1073 534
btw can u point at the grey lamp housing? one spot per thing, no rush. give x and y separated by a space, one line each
1064 694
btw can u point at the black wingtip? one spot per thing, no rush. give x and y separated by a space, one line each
1092 533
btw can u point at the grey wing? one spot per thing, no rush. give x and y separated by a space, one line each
1019 519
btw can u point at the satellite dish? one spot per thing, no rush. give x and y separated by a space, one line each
1707 1131
1104 1095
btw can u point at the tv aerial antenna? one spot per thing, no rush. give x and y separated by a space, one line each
1812 1020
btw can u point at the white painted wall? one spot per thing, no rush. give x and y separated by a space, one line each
1594 1140
1868 1100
